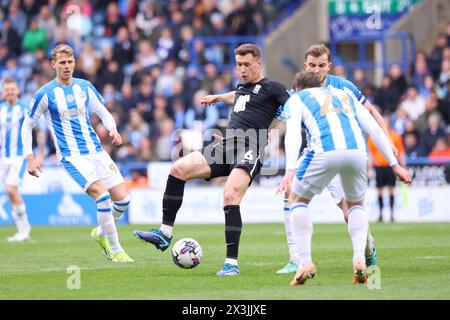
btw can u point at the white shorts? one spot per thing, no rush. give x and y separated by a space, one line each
316 171
86 169
12 170
335 189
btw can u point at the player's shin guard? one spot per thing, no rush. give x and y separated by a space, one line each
106 221
358 226
302 230
293 252
172 199
233 228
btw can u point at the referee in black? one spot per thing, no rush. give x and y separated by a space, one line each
239 155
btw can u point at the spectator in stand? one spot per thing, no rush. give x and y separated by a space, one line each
47 21
431 134
420 71
441 150
444 77
435 58
359 79
166 140
147 56
398 80
113 75
10 38
414 104
145 151
387 97
136 129
123 50
431 104
197 114
113 20
399 121
128 98
18 18
89 61
428 86
412 148
444 105
35 38
339 71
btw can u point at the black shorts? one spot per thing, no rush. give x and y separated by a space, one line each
384 177
232 153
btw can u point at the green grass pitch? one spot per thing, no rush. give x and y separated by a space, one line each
414 260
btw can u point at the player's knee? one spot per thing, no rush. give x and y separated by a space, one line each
12 191
179 170
231 196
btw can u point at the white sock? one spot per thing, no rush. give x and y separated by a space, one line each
358 225
302 230
293 252
118 209
21 218
234 262
167 230
106 221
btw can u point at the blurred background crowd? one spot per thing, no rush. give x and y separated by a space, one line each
143 58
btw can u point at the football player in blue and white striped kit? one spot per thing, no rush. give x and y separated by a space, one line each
334 121
66 103
318 60
12 162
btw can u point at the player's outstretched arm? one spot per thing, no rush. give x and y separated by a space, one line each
379 119
33 166
115 136
214 98
382 142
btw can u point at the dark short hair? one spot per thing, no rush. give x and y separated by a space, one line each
318 50
306 79
247 48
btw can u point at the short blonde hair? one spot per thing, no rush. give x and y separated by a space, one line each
62 48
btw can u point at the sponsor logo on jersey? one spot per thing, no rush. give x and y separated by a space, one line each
256 89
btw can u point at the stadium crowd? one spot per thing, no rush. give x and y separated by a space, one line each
139 55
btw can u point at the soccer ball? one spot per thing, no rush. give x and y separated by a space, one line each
187 253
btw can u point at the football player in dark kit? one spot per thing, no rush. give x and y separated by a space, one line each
238 155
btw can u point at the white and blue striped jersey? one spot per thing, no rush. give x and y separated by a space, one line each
346 85
66 110
11 120
329 117
332 82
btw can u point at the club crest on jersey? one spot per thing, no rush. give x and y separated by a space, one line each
241 102
82 95
70 98
256 89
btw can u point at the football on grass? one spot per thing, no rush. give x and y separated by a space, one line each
187 253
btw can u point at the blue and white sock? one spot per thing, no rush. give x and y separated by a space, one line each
106 222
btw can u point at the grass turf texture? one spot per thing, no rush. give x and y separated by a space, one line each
414 260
